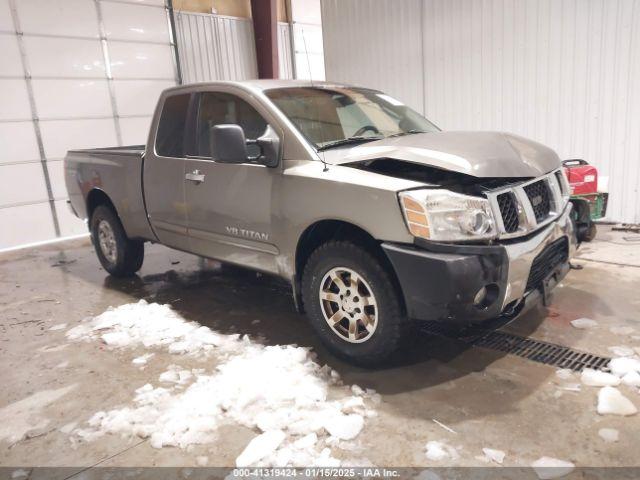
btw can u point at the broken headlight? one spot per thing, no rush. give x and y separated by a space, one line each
446 216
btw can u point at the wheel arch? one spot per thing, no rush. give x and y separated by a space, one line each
323 231
97 197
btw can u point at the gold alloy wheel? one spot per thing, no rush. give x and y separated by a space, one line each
348 305
107 241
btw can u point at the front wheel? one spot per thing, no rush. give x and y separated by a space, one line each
119 255
352 303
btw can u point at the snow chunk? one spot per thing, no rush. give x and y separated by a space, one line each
583 323
621 351
143 359
270 388
597 378
261 446
632 379
436 451
611 401
151 325
496 456
548 467
609 434
344 427
60 326
623 365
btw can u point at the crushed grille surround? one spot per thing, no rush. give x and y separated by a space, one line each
526 207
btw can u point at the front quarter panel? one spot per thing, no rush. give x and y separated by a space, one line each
310 193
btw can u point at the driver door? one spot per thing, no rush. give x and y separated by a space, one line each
229 205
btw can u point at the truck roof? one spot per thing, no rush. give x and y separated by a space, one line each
263 84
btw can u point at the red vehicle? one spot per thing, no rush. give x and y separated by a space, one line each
583 180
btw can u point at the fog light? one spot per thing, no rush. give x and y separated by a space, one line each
480 296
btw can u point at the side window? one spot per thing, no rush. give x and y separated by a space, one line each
170 136
220 108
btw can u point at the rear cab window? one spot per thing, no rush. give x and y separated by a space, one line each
170 137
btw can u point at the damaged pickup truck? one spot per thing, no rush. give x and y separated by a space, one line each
375 216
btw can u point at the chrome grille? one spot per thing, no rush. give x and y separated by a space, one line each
523 208
509 211
540 197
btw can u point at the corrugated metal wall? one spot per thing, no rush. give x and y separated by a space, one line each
563 72
215 47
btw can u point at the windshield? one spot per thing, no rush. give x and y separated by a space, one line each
329 116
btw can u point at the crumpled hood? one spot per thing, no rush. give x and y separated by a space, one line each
480 154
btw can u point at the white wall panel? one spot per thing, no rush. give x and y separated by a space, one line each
19 144
123 21
14 99
140 60
215 47
70 225
22 183
64 57
11 64
139 97
56 176
6 22
375 43
285 59
563 72
135 130
71 98
78 100
26 224
58 136
76 18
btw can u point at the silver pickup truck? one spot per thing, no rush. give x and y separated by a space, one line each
375 216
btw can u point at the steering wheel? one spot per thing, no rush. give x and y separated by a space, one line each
366 128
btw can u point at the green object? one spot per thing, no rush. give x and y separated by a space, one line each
597 204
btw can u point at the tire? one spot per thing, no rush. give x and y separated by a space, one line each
374 285
119 255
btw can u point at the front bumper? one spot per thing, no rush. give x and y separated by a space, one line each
441 281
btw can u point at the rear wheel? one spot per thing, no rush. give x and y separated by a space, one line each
119 255
352 303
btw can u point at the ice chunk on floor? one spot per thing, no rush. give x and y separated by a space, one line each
623 365
344 427
142 359
261 446
597 378
609 434
612 402
632 379
437 451
496 456
583 323
621 351
549 467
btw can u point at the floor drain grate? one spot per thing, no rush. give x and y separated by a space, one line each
534 350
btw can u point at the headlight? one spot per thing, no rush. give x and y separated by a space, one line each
442 215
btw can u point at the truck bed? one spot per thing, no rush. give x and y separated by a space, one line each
116 172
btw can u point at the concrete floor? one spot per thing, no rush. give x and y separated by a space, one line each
489 399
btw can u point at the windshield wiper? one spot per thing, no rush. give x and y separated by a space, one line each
402 134
348 141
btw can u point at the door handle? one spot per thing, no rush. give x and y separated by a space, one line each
196 176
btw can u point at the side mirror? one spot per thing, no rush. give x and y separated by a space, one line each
269 144
228 144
